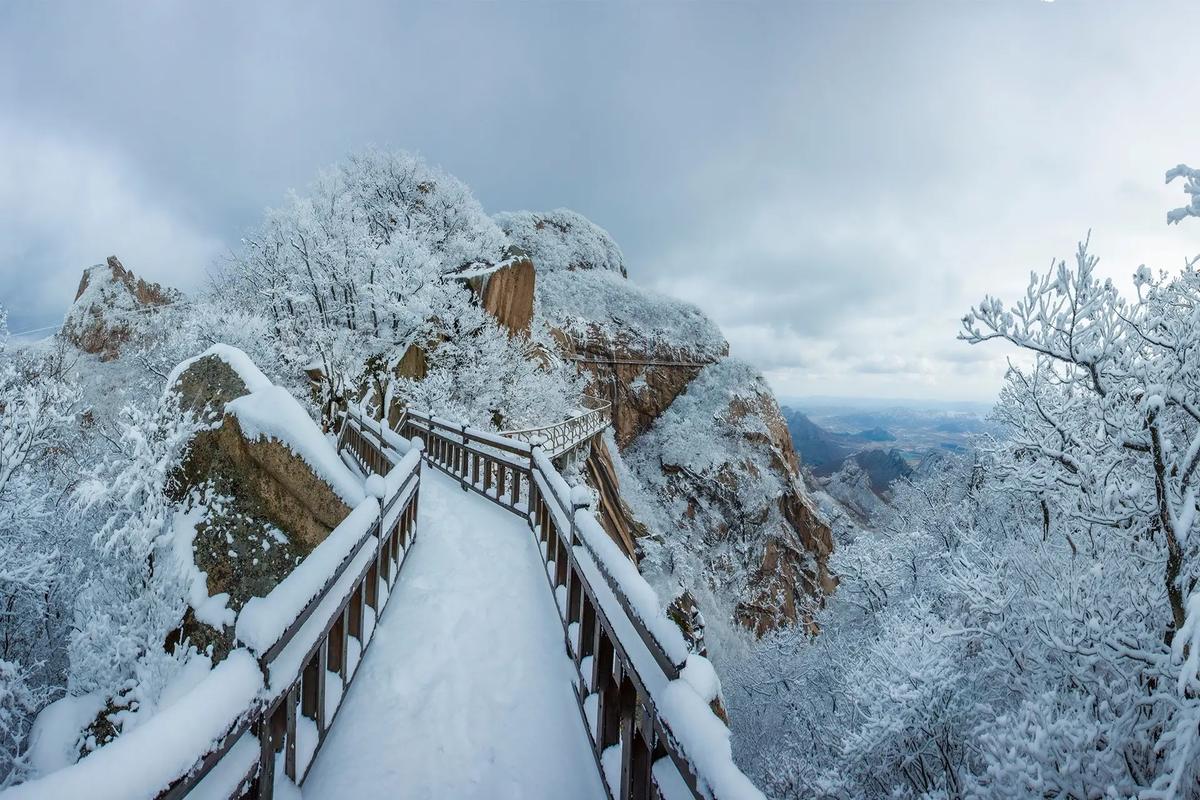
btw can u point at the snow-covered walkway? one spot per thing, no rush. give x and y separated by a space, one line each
465 691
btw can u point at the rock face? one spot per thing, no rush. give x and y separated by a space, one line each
709 483
852 487
721 462
641 349
111 305
612 511
508 295
705 480
640 383
505 290
264 506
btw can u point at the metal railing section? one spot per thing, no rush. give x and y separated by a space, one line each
562 437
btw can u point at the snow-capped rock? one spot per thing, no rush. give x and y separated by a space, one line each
720 462
111 308
851 486
640 348
562 240
708 478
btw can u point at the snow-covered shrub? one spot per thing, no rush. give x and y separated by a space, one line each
136 595
20 697
599 303
481 375
562 240
39 399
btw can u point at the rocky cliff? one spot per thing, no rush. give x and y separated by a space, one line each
641 348
721 463
110 308
709 481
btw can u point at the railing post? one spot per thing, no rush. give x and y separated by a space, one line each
587 636
266 757
323 662
289 756
462 466
628 701
580 499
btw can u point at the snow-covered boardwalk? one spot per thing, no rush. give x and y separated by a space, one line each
515 617
466 689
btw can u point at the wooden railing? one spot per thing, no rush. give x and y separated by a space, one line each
626 666
640 693
562 437
487 463
307 670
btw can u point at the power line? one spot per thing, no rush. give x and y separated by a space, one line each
152 309
639 362
32 330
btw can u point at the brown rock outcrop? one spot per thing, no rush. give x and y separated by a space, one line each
508 295
111 304
612 512
507 291
639 382
283 490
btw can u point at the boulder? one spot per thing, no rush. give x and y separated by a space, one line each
266 506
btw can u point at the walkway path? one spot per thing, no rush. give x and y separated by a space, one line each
466 690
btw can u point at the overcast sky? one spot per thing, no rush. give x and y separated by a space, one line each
835 184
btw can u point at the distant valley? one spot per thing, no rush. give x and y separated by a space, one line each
856 449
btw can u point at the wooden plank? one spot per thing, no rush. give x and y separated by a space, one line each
289 757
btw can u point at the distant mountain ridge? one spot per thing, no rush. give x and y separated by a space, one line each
852 468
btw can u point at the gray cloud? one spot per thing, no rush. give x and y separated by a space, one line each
834 184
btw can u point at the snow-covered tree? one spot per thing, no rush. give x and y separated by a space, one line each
38 403
135 596
351 274
1025 622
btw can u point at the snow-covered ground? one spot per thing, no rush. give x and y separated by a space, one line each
466 689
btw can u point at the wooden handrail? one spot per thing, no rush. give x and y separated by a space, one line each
341 609
622 668
620 664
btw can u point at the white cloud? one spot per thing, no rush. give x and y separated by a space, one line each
64 205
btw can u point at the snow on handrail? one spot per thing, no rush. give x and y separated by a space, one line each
263 621
621 574
149 759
